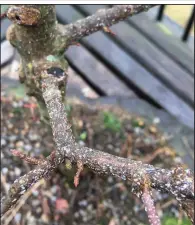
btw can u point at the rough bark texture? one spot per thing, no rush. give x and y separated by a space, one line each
102 18
178 182
150 208
41 41
36 38
44 72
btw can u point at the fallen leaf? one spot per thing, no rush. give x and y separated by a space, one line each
62 205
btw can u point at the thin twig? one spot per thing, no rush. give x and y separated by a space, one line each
168 203
150 208
23 200
149 204
79 170
28 159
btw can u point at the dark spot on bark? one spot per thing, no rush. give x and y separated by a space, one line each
56 71
17 17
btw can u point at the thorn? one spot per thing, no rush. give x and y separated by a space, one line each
79 170
108 30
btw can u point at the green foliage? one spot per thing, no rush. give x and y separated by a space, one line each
171 220
83 136
111 122
18 111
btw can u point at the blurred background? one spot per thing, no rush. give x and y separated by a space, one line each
180 14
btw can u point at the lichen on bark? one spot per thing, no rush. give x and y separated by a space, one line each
41 41
35 35
41 44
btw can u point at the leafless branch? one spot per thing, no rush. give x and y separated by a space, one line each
28 159
150 208
101 20
22 201
178 182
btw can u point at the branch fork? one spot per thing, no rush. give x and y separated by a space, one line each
41 43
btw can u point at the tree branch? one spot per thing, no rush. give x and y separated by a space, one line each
178 182
43 57
150 208
101 19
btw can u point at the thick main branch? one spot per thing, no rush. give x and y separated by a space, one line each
178 182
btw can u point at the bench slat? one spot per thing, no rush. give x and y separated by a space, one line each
150 56
173 47
76 86
130 70
96 73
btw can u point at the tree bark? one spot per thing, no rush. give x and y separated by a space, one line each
177 182
43 70
101 19
35 36
41 41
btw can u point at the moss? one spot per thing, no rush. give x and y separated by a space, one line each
68 165
83 136
30 66
40 46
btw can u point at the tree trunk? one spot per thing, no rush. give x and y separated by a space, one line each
35 36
